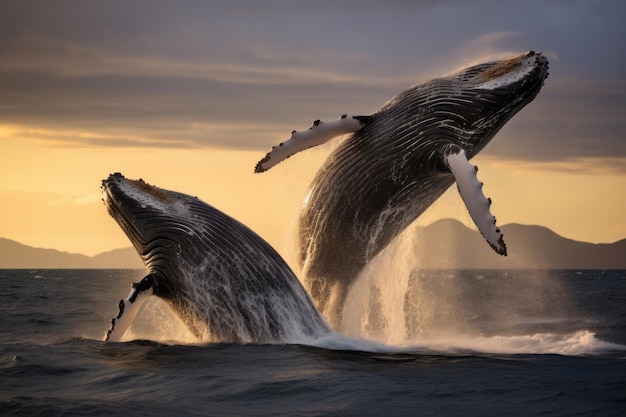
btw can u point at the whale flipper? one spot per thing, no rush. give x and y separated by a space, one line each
477 204
129 307
318 134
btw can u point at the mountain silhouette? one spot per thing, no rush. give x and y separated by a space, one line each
444 244
15 255
449 244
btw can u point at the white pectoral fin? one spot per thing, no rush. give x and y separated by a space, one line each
319 133
477 204
128 309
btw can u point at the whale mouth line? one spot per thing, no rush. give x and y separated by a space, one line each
114 205
151 249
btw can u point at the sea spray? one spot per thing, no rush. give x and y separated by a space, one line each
582 342
156 321
375 307
396 302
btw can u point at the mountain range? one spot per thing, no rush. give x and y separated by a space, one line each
15 255
445 244
449 244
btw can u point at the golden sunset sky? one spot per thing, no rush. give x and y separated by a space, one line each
190 95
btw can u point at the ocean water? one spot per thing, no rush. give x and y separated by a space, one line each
455 343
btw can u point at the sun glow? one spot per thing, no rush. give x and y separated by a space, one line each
50 195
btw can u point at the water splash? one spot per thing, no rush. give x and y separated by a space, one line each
375 305
396 303
156 321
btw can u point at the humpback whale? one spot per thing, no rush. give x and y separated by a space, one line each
396 162
223 280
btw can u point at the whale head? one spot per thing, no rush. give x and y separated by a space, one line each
162 225
467 108
501 88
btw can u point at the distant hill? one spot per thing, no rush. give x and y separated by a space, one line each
449 244
443 244
14 255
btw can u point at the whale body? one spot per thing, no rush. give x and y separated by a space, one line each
223 280
396 162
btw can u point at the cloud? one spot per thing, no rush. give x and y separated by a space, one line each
57 58
243 75
588 165
63 200
192 135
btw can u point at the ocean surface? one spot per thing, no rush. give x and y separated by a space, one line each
466 343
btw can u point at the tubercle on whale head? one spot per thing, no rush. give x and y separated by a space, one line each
505 67
156 192
531 66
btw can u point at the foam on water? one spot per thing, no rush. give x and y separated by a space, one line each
157 322
579 343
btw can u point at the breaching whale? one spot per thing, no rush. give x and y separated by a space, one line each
217 275
397 162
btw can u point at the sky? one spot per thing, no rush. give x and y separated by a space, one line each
189 95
